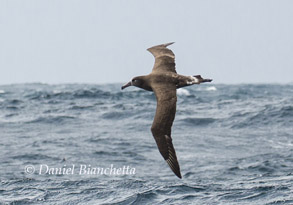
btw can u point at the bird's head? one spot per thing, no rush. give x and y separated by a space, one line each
136 81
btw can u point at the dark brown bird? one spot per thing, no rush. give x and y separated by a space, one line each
163 81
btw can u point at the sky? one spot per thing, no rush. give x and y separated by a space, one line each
105 41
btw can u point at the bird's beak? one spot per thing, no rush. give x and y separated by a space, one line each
126 85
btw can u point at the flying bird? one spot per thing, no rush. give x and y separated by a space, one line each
163 81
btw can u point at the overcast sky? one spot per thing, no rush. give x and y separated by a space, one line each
105 41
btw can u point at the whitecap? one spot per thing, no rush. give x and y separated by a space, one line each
211 88
2 91
182 91
57 91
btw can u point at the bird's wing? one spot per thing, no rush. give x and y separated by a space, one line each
161 128
164 58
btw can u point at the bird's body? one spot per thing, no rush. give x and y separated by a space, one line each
163 81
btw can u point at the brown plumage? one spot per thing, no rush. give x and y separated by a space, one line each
163 81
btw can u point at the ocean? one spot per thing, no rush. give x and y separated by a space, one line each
91 144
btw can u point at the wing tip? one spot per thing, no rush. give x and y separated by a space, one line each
168 44
179 175
174 167
161 45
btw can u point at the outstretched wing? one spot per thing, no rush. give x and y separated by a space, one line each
161 128
164 58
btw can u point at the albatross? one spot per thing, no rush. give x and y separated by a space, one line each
163 81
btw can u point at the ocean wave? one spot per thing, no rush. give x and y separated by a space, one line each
204 88
116 115
142 197
183 188
11 107
11 104
211 88
286 111
52 119
81 107
197 121
269 115
182 91
64 95
14 102
241 153
31 156
265 164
